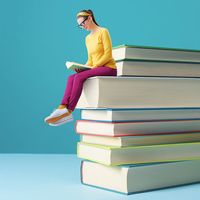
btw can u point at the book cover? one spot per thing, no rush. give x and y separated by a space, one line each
74 65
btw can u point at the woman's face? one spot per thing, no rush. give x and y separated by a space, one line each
84 22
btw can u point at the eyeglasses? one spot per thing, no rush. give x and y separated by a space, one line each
82 23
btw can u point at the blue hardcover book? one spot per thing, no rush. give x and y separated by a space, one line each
140 114
129 179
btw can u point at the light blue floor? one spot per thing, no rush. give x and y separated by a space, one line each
57 177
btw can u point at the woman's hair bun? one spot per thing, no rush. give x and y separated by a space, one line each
90 11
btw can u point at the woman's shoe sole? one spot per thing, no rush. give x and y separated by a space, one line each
61 122
55 119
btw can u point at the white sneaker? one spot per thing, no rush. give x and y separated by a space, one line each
57 114
62 121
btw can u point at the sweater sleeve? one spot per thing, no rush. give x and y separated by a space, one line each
89 60
107 48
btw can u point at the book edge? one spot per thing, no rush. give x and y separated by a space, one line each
138 147
153 47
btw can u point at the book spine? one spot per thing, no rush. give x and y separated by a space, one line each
81 171
133 134
106 189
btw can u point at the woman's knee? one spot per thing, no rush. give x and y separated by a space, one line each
79 78
71 77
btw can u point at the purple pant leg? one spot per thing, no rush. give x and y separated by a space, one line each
69 86
78 80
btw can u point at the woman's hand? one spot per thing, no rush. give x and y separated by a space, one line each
78 70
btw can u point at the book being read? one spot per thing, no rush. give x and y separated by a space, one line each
74 65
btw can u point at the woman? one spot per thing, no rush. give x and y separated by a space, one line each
100 58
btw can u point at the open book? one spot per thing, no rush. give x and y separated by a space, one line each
73 66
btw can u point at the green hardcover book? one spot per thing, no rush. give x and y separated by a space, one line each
138 154
157 68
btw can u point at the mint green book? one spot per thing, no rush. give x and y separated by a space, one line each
112 156
132 52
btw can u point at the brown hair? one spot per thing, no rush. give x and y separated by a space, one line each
91 14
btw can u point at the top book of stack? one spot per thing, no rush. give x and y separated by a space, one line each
131 52
158 62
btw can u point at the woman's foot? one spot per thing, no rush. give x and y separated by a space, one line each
62 121
58 114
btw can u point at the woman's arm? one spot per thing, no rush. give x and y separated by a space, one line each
89 60
107 48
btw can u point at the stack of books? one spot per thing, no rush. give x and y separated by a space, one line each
140 131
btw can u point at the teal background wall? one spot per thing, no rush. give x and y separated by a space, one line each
37 37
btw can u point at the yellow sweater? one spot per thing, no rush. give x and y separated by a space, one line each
99 47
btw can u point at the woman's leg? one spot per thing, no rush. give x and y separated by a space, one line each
73 92
81 77
68 90
62 114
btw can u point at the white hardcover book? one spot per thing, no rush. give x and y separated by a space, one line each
153 68
139 92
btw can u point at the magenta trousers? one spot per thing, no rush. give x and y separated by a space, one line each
75 84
